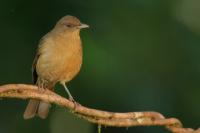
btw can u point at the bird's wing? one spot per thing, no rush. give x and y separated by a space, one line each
34 72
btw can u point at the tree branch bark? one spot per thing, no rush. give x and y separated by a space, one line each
105 118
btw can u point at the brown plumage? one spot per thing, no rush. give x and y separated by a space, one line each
58 59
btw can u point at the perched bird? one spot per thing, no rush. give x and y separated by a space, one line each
58 59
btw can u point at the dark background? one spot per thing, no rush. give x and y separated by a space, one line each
139 55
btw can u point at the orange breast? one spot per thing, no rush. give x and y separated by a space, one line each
60 59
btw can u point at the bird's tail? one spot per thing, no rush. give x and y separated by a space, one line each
36 107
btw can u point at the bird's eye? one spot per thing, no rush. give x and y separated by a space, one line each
69 25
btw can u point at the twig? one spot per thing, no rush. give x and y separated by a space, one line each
99 128
99 117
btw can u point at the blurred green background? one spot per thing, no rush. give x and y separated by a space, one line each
139 55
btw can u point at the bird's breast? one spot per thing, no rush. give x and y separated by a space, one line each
60 60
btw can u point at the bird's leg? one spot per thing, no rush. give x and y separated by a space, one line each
68 92
41 83
70 96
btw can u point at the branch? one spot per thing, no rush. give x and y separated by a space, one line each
99 117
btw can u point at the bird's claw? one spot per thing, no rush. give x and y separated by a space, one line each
72 99
75 103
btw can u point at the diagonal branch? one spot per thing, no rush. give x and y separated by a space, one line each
106 118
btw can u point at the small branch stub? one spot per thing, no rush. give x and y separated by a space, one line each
99 117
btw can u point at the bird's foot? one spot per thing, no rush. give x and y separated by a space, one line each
71 99
42 85
75 103
41 89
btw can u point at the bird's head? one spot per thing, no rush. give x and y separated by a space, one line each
70 23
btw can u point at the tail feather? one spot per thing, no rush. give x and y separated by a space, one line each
36 107
31 109
43 109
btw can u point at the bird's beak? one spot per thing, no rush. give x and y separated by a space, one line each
83 26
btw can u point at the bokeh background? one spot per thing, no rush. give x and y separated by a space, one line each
139 55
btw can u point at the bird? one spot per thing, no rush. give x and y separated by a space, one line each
58 60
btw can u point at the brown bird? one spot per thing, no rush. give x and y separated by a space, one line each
58 59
